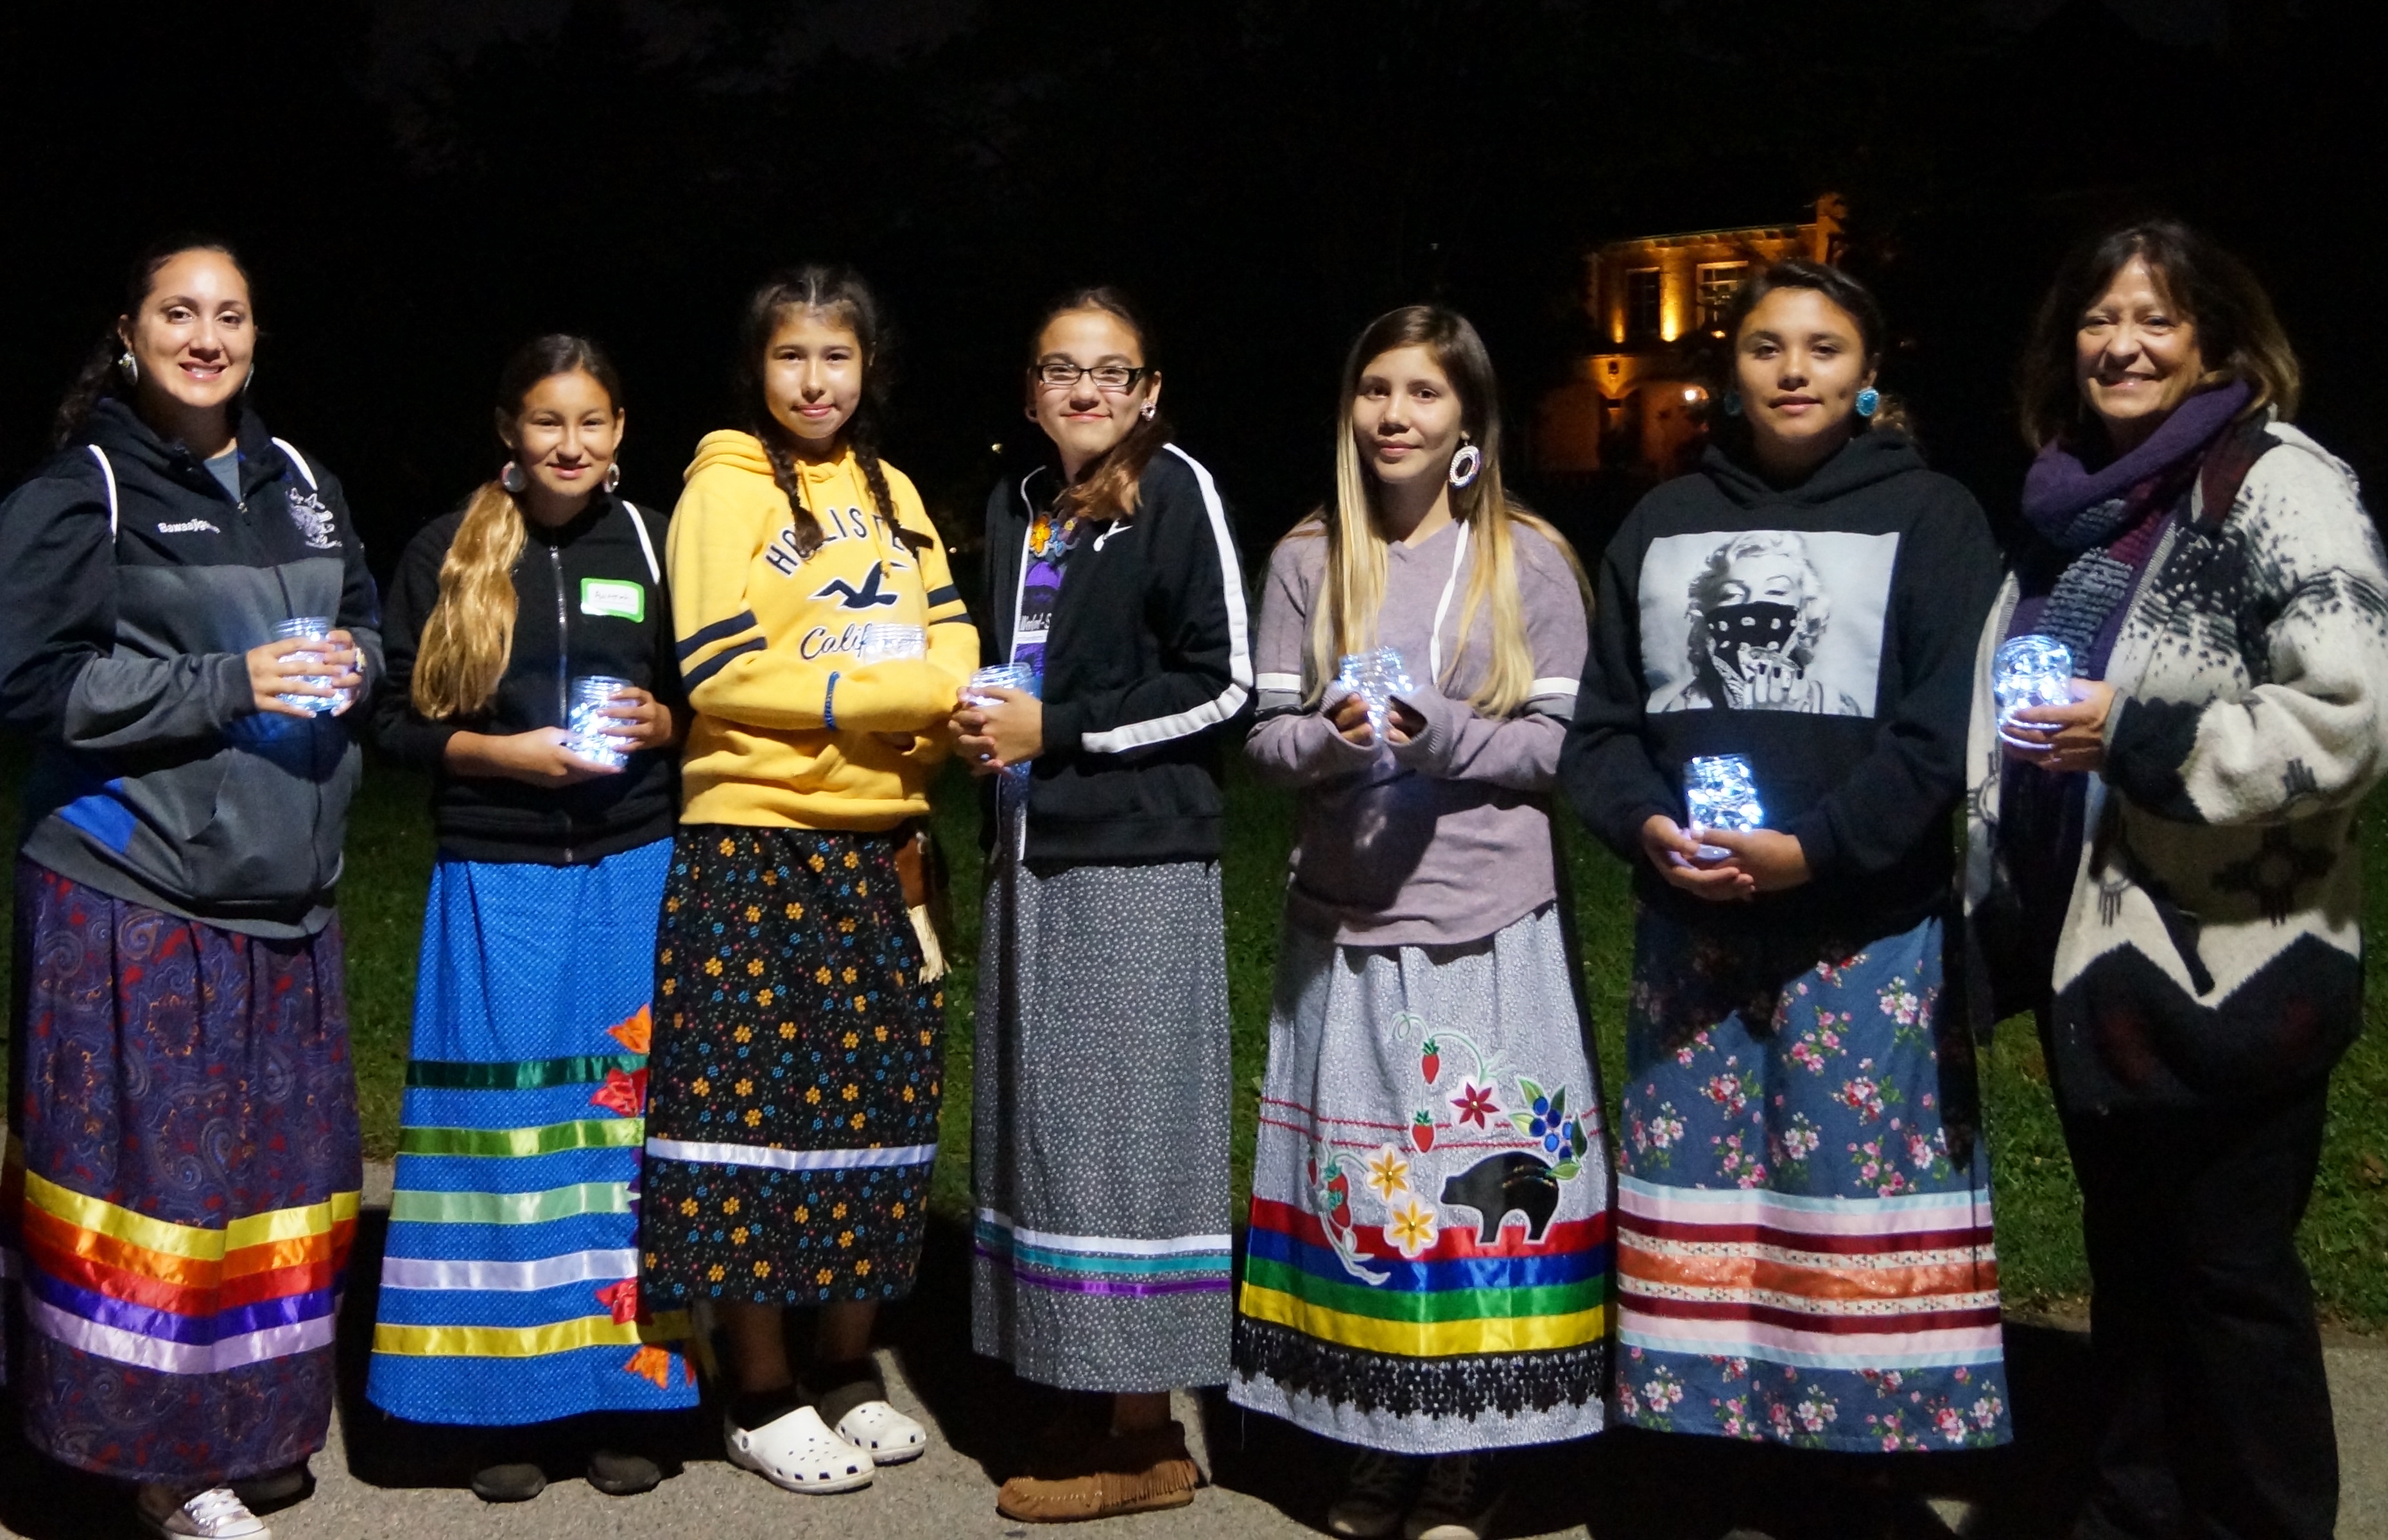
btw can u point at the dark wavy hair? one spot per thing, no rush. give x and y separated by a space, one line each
99 379
1106 488
1851 297
2237 328
839 295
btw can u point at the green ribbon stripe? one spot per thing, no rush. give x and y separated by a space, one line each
409 1206
1448 1305
588 1133
528 1075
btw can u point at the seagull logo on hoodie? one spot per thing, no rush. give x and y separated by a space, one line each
869 596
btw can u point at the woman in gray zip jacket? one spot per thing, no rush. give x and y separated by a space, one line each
183 1158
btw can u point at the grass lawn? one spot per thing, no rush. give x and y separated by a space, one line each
2345 1235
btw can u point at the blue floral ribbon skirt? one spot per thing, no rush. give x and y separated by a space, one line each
1800 1260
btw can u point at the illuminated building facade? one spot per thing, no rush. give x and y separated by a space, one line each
1655 300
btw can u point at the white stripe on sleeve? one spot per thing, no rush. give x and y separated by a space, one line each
1225 705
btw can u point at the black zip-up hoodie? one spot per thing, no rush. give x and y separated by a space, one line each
131 586
589 598
1148 657
1859 595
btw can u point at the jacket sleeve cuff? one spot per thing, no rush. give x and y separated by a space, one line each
2147 745
1818 845
1429 753
419 743
1065 727
229 695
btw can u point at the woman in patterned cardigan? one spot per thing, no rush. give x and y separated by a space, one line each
2164 870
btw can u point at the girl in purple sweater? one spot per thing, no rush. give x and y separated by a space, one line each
1429 1258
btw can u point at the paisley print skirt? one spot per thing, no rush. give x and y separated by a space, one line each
1428 1268
1802 1259
796 1074
182 1185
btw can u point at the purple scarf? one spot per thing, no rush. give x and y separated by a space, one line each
2104 525
2074 508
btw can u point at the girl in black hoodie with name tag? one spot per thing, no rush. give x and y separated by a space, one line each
508 1286
1808 600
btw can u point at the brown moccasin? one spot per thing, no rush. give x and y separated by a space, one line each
1123 1474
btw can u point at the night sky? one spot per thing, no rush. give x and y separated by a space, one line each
419 185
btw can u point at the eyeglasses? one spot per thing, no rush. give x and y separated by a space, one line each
1062 373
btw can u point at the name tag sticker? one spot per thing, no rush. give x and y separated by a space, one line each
613 596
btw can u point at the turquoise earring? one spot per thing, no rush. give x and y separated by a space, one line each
1869 401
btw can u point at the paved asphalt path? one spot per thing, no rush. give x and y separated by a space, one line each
1265 1479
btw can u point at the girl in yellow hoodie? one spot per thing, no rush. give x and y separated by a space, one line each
796 1061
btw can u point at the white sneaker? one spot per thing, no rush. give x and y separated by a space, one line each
890 1437
216 1514
798 1452
1374 1495
1457 1502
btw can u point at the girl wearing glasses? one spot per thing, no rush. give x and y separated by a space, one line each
1428 1263
1101 1074
797 1064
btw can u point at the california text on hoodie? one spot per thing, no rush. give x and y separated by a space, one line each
131 585
1826 631
589 599
1148 656
789 730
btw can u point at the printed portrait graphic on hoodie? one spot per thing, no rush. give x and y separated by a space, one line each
1748 622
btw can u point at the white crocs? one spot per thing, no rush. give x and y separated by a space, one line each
890 1437
798 1452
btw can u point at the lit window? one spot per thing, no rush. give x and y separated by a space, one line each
1641 303
1718 281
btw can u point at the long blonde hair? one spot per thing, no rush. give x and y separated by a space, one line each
469 635
1345 621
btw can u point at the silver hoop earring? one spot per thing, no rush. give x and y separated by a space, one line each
514 478
1149 408
613 475
129 366
1466 466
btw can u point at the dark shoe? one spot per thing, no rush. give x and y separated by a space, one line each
1377 1492
509 1483
620 1475
275 1488
1124 1473
1457 1500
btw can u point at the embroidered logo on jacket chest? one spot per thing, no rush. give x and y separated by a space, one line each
313 517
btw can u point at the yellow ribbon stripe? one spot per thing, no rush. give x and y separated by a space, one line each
1427 1340
528 1341
188 1240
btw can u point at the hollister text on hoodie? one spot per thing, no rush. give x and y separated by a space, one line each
792 731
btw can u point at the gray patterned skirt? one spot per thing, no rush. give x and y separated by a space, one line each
1099 1155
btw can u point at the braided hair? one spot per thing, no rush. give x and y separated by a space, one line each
839 296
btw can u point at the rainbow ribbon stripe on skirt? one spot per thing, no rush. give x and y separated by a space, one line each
179 1187
510 1284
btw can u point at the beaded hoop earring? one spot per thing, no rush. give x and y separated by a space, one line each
1465 464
